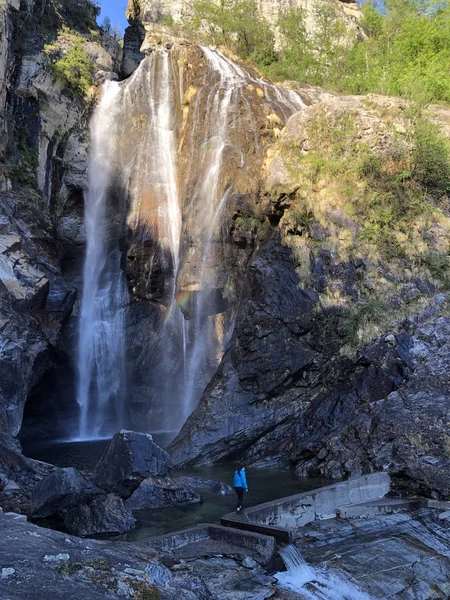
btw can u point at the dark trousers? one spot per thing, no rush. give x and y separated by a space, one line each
240 495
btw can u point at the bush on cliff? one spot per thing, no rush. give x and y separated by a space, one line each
392 192
70 61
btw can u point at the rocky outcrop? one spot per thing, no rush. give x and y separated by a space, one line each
161 492
270 351
18 475
403 432
59 491
104 514
128 459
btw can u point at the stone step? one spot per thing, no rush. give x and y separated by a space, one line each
15 516
377 507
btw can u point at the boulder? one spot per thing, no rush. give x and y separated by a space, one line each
128 459
18 475
60 490
103 514
161 492
205 485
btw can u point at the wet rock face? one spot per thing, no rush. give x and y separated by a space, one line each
270 350
29 284
43 173
129 458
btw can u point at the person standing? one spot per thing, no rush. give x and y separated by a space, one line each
240 484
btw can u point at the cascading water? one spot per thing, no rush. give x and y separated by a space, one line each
175 208
315 584
156 217
101 346
223 106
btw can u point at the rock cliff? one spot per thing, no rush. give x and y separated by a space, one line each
43 153
307 380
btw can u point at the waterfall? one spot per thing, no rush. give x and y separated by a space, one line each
174 208
315 584
101 343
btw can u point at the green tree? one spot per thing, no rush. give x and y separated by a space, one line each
236 24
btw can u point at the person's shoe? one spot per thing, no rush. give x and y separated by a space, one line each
238 510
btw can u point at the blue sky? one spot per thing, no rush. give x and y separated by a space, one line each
115 10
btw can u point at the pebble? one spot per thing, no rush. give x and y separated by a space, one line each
7 572
249 563
55 558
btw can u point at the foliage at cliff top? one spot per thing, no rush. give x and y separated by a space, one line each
405 52
80 15
385 201
70 62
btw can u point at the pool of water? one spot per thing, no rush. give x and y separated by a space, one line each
264 485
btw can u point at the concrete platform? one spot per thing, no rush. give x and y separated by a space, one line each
379 507
299 510
211 540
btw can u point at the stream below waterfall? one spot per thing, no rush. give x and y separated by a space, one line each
264 485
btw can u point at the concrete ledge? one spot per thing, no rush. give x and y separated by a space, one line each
231 520
378 507
442 504
215 539
298 510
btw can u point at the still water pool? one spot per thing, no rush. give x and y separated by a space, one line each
264 485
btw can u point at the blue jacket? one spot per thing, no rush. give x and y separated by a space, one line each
240 480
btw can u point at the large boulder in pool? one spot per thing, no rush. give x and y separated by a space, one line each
60 490
128 459
161 492
104 514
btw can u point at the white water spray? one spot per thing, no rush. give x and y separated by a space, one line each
313 583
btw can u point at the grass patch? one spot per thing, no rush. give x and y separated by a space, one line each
391 193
